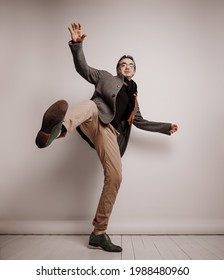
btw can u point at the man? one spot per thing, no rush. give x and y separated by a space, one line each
105 122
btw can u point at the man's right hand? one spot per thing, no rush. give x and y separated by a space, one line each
77 35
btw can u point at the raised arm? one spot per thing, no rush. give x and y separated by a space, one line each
90 74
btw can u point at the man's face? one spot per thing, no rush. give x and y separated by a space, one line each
127 68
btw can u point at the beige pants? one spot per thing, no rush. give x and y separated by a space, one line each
104 139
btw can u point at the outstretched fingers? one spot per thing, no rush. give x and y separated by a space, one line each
70 30
83 36
76 32
76 26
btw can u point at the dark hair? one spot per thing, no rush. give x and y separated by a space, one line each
125 56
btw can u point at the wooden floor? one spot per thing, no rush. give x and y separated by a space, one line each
135 247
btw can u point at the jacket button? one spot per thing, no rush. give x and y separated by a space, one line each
113 95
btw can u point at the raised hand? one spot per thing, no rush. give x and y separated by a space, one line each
76 32
174 128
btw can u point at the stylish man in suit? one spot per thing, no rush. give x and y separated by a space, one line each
104 122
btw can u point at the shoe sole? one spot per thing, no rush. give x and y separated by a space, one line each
51 123
95 247
100 248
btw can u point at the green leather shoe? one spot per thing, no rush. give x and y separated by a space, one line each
51 124
103 241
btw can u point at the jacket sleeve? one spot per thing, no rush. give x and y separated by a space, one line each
152 126
90 74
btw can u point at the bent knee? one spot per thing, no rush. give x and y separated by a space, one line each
118 179
114 179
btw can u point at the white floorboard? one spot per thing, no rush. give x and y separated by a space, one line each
128 250
135 247
192 247
168 249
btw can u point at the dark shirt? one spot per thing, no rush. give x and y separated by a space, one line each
124 102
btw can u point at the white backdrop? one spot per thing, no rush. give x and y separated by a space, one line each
171 184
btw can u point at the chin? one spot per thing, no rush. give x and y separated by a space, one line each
128 77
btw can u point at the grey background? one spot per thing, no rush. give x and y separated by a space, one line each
171 184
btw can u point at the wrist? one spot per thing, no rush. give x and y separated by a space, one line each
71 42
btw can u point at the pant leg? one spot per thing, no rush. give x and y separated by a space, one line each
83 112
104 139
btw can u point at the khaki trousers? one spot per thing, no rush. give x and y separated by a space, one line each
104 138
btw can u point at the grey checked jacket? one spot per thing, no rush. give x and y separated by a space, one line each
107 87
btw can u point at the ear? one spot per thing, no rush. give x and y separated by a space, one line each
118 70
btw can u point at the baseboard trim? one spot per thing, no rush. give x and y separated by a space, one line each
127 227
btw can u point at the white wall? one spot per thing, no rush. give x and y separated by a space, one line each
171 184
